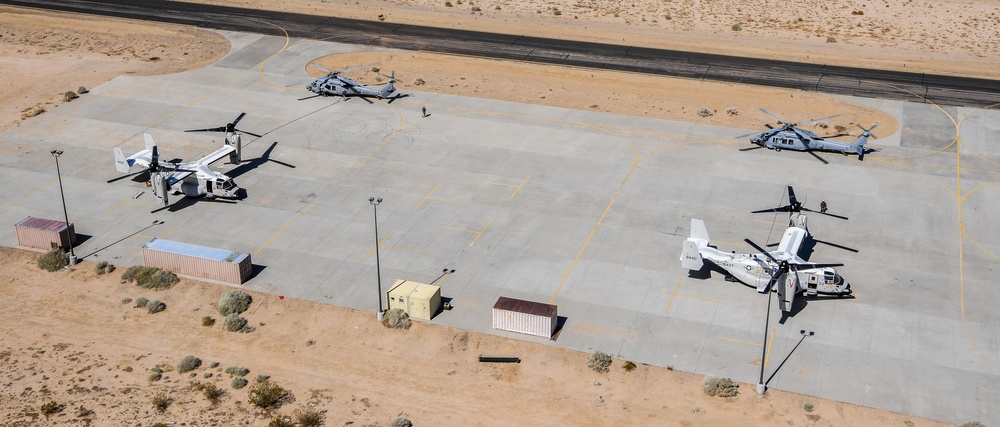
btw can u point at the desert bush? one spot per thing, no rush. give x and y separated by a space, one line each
599 361
235 323
239 382
418 81
207 375
126 300
214 365
448 4
732 111
237 371
704 112
973 424
82 90
207 321
808 407
281 421
84 411
211 391
141 302
53 260
476 9
70 95
160 279
556 12
156 306
263 377
831 39
309 417
400 422
737 27
51 408
381 17
267 395
628 366
103 267
161 402
188 364
155 376
396 319
149 277
234 302
721 387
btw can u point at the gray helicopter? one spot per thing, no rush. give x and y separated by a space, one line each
790 137
334 84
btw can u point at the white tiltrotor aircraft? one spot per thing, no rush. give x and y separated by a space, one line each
764 269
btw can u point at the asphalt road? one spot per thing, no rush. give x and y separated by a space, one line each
937 89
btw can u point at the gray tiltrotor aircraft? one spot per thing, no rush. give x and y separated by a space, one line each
334 84
790 137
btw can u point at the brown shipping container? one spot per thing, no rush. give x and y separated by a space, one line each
45 234
526 317
198 261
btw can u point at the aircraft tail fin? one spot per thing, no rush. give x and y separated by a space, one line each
388 89
120 162
691 256
858 145
699 231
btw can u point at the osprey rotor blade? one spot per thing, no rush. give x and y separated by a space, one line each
218 129
762 250
240 117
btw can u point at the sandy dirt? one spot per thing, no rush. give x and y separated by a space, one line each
68 337
76 338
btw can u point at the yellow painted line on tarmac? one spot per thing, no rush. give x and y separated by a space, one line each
672 296
519 187
290 223
755 344
30 195
428 196
481 232
769 345
164 236
380 243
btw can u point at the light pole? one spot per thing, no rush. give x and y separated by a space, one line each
378 269
72 255
761 387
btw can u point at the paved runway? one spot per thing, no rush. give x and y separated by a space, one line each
581 209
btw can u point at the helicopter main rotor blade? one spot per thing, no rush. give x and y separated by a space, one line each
749 134
818 157
818 120
772 115
320 67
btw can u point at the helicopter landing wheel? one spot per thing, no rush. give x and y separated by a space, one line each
777 149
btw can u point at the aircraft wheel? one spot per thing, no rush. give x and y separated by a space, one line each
777 149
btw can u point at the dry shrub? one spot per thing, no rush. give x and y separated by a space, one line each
720 387
396 319
599 361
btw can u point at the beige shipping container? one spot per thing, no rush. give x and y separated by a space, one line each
526 317
198 261
45 234
419 300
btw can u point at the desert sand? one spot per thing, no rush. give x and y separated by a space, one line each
68 338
